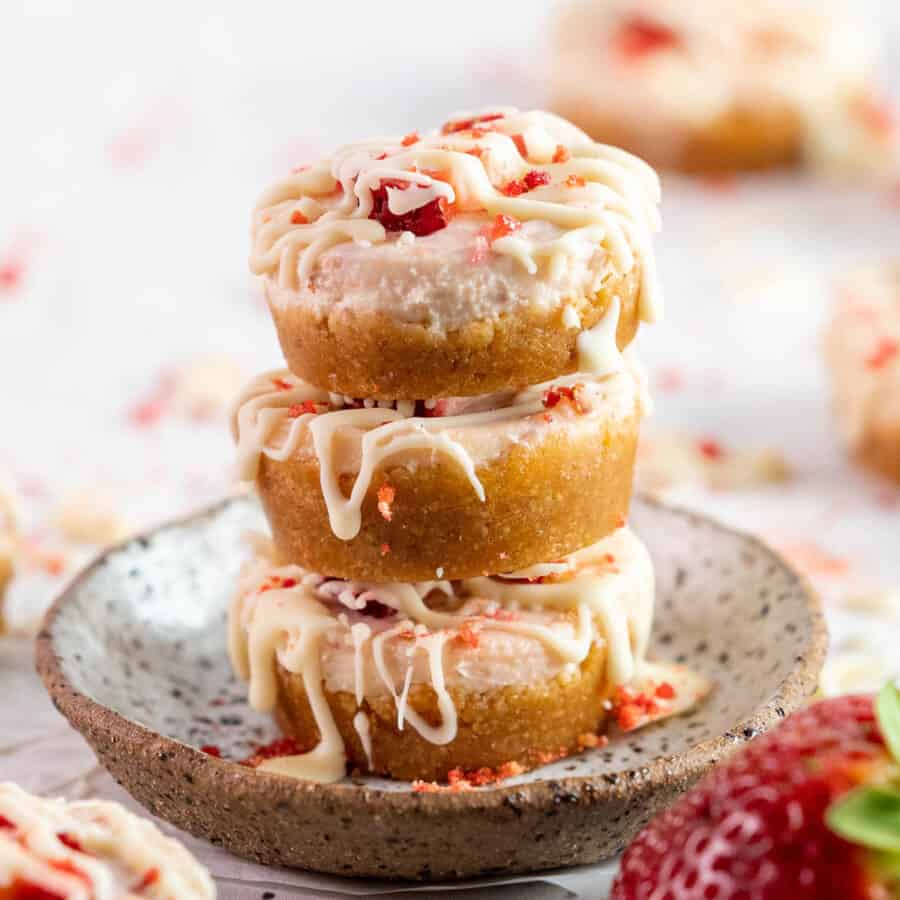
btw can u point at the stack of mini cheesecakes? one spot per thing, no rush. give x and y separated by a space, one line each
450 589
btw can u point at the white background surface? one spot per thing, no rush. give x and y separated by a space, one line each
135 139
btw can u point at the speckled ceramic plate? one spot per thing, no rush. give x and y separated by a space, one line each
134 656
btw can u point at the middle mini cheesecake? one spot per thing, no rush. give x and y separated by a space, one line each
453 488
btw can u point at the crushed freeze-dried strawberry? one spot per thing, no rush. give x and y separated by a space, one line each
632 708
468 635
561 154
452 127
285 746
886 351
554 396
638 38
519 141
68 841
875 114
386 494
665 691
534 179
544 757
28 890
422 221
151 876
282 384
574 181
501 227
12 272
297 218
590 741
385 549
307 407
6 823
459 780
710 449
410 139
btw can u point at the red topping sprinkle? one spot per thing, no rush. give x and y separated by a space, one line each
562 154
575 181
886 351
459 780
284 746
424 220
307 407
11 274
519 141
297 218
502 226
533 179
28 890
466 124
69 842
632 709
386 495
281 384
710 449
6 823
151 876
571 395
211 750
665 691
385 549
410 139
468 635
639 38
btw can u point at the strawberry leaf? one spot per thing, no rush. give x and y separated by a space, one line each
868 816
887 707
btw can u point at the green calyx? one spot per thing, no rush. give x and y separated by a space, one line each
870 815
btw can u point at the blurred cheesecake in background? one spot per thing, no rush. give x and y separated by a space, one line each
862 349
705 86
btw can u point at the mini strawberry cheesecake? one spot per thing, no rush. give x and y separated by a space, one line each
415 680
8 548
706 86
862 348
457 262
90 850
440 489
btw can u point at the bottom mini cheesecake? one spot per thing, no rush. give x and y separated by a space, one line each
419 680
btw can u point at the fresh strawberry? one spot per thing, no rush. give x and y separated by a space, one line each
811 811
423 221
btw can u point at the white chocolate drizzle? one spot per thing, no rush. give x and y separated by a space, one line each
605 592
121 856
599 196
269 420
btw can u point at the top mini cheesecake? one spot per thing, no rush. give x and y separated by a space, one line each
501 250
710 86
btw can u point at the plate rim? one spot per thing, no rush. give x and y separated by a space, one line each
87 714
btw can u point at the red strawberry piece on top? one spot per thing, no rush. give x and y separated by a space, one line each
425 220
638 38
793 816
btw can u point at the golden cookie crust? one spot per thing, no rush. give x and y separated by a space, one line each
544 499
373 355
526 724
741 139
